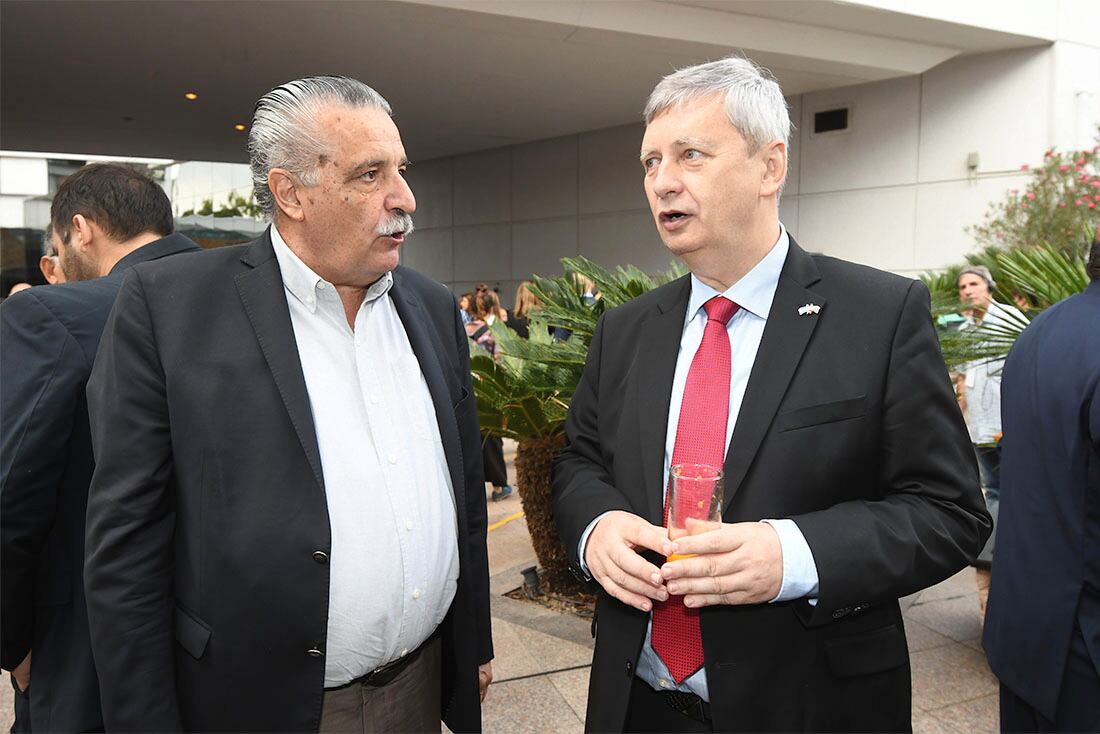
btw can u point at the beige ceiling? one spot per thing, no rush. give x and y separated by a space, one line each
108 77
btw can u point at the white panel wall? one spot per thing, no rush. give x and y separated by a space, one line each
23 177
11 211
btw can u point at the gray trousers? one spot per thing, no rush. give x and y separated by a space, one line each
408 703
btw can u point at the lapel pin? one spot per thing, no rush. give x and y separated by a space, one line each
808 309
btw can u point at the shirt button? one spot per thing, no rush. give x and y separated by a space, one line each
408 525
393 459
404 652
664 683
320 285
416 593
320 557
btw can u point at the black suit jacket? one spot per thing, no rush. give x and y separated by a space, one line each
849 426
208 501
1046 571
49 336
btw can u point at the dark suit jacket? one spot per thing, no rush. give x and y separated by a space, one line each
208 500
49 337
1046 573
849 426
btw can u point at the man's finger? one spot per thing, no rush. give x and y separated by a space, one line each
724 539
627 597
642 534
696 566
632 573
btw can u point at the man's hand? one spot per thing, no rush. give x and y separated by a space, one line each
484 678
611 555
22 673
737 563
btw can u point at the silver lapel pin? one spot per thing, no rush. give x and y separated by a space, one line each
808 309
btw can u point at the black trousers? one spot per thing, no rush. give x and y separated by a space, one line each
648 712
1078 703
492 456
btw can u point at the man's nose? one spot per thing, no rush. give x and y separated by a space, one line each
666 181
401 197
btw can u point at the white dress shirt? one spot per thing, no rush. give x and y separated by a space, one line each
983 379
754 294
394 554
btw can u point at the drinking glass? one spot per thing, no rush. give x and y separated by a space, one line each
694 493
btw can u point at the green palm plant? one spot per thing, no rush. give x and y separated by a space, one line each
524 393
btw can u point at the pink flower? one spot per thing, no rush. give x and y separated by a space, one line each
1061 205
1063 168
1078 202
1081 160
1079 168
1048 154
1031 195
1023 205
1024 167
1092 205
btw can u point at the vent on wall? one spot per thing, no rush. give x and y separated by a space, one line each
828 121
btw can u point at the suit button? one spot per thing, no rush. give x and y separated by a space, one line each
629 669
320 556
313 652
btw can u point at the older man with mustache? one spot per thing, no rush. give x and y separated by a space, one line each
286 528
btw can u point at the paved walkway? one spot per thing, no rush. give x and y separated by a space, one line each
542 656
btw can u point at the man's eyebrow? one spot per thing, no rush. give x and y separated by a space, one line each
692 143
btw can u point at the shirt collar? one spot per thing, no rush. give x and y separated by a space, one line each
302 282
755 291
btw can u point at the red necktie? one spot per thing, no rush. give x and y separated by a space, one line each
700 439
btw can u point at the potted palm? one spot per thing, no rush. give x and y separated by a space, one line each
524 393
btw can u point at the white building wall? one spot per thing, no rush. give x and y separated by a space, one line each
20 178
893 191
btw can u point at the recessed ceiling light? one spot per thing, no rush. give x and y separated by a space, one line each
240 127
191 96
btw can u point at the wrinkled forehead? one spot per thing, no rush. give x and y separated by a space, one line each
693 119
348 132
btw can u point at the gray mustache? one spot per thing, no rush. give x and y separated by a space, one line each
395 223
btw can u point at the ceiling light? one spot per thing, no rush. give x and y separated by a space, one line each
240 127
191 96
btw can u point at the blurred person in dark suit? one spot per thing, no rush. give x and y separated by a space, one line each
287 522
104 220
1042 627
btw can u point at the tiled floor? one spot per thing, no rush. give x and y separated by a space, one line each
542 657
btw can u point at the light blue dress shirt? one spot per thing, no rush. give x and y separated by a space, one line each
754 294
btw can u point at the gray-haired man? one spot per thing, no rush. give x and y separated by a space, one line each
286 518
817 385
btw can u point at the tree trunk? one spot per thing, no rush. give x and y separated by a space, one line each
533 459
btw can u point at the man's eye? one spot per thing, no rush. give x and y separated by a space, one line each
649 163
370 175
691 154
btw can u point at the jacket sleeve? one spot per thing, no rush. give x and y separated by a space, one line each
128 564
476 511
581 483
42 370
929 519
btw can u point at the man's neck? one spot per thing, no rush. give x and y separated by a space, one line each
120 250
720 268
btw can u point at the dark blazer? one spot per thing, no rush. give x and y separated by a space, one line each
208 502
1046 577
49 336
849 426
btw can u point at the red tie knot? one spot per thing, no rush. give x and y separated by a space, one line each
720 309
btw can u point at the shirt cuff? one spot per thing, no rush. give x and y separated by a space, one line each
584 541
799 570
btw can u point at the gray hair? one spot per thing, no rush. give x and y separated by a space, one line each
754 101
47 242
982 272
284 132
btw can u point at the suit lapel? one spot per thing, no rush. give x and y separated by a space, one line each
656 367
785 338
426 347
261 292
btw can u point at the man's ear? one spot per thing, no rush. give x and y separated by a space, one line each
286 188
775 168
82 233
